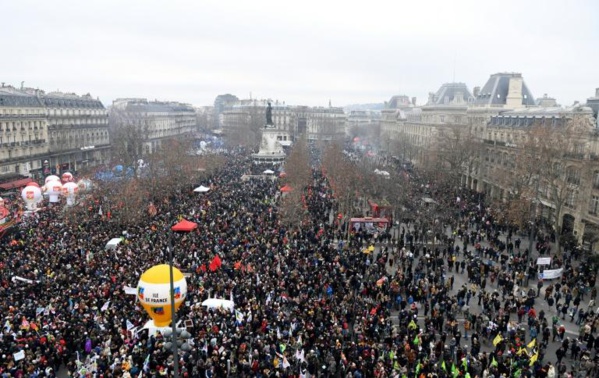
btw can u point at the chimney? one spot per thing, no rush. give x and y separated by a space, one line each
476 91
596 91
431 98
514 93
414 101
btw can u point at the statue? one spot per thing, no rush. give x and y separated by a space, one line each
269 115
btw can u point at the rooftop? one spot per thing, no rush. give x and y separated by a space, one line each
452 94
495 91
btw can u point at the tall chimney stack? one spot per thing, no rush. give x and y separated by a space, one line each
514 93
476 91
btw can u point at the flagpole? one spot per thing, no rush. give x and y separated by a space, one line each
173 311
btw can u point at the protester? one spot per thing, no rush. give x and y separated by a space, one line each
306 303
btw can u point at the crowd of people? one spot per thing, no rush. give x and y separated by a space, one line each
306 303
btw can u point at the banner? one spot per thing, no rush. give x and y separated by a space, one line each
551 274
130 290
17 278
544 261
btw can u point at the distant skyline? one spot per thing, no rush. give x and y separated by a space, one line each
303 53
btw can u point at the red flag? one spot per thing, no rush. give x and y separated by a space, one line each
217 261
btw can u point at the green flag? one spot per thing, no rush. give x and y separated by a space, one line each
416 341
454 371
494 362
443 366
418 368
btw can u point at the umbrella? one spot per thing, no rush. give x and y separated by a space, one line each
201 189
268 172
185 226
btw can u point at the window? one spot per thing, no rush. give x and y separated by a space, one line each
571 199
594 205
573 176
596 179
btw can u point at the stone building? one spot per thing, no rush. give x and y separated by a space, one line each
415 131
44 134
243 121
318 123
153 121
77 131
326 125
23 136
504 136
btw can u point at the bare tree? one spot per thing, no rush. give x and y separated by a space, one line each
454 153
128 132
299 173
549 167
346 180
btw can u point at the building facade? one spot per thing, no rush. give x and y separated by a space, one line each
578 182
44 134
318 123
23 135
152 122
78 134
414 131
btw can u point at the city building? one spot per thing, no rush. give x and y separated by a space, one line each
503 139
152 121
23 136
242 122
44 134
359 121
413 132
325 125
593 103
77 131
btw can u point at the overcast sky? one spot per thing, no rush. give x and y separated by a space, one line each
301 52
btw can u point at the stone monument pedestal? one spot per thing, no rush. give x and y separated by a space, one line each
271 151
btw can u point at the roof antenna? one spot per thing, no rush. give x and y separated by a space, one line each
454 67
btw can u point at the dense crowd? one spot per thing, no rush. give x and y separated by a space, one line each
306 304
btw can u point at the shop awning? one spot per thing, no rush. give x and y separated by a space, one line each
15 184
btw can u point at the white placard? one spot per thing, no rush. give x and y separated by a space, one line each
130 290
544 261
19 355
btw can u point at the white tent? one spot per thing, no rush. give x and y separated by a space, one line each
113 243
268 172
201 189
218 303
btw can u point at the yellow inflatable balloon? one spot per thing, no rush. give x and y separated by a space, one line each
153 292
